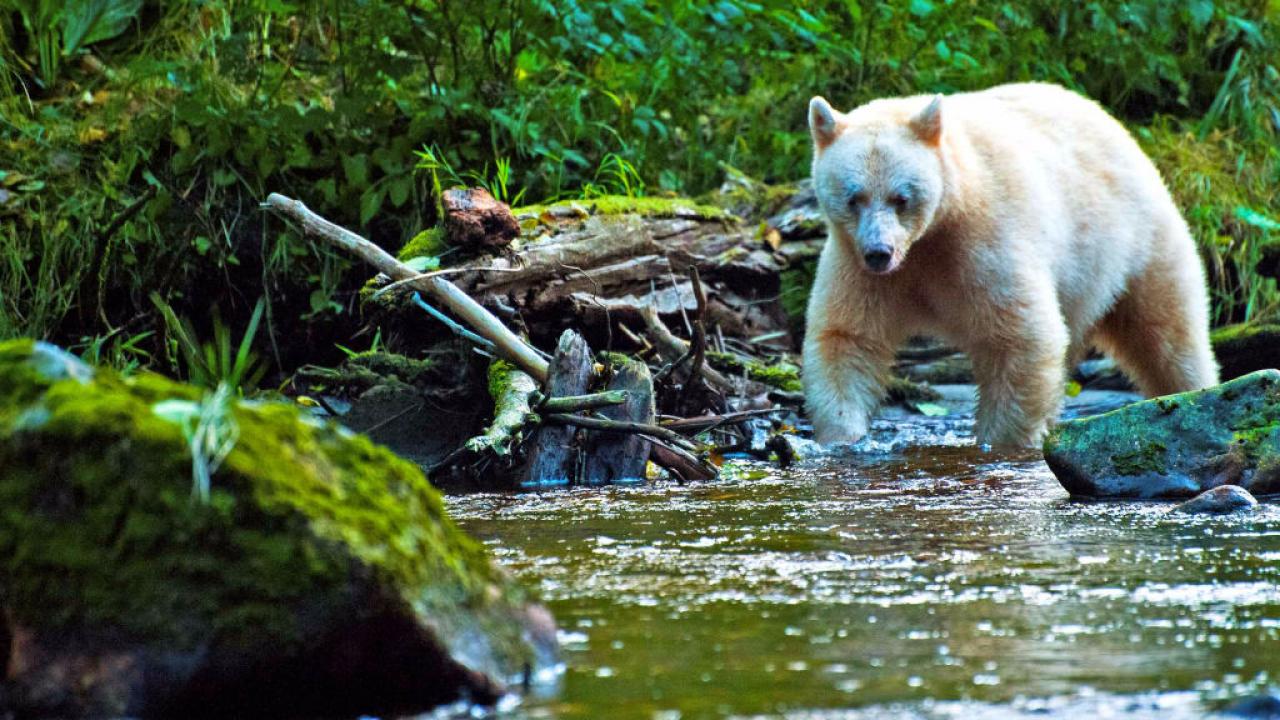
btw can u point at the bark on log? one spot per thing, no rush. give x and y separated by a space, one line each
617 457
551 457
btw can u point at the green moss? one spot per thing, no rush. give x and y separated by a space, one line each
1147 459
622 205
780 375
98 494
752 199
512 391
428 243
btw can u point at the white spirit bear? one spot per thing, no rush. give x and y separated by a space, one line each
1021 224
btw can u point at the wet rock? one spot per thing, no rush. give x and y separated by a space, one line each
1177 445
1258 707
1218 501
473 218
1101 374
1247 347
308 572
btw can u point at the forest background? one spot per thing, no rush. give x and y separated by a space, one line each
137 138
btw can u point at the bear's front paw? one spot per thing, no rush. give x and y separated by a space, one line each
829 434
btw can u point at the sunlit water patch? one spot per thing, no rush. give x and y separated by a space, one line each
936 583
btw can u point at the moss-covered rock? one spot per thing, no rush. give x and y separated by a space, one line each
1177 445
1246 347
319 575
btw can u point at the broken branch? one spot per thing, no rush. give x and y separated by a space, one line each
576 403
508 344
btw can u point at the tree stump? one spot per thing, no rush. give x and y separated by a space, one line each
550 460
614 457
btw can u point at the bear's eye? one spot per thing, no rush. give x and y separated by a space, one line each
899 201
857 200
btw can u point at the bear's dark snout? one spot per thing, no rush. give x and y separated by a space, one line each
878 258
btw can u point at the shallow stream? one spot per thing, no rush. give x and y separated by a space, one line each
921 577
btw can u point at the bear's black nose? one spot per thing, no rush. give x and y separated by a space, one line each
878 258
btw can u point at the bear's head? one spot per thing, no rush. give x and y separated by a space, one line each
877 172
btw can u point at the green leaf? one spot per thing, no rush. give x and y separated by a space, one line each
1073 388
89 21
1249 216
356 168
370 203
921 8
1201 12
930 409
422 263
398 190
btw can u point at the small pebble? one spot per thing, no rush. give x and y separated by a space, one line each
1220 500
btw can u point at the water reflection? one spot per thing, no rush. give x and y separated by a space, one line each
942 582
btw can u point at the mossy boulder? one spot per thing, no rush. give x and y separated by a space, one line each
315 575
1177 445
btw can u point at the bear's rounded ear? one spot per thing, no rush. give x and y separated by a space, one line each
927 125
822 121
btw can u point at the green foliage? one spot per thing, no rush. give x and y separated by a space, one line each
59 29
143 169
210 364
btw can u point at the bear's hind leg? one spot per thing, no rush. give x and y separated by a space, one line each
1158 331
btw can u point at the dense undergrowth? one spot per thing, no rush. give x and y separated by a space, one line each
137 137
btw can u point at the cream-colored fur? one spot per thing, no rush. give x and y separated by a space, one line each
1022 224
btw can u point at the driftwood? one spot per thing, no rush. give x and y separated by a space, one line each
508 344
552 454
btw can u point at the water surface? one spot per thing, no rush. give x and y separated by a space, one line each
933 581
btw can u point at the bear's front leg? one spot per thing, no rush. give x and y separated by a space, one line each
1021 374
844 381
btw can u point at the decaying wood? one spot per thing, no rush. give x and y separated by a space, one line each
671 349
508 344
669 449
472 218
709 422
698 345
577 403
510 415
552 453
622 457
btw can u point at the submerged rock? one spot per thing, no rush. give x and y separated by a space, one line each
1258 707
1177 445
1218 501
315 574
